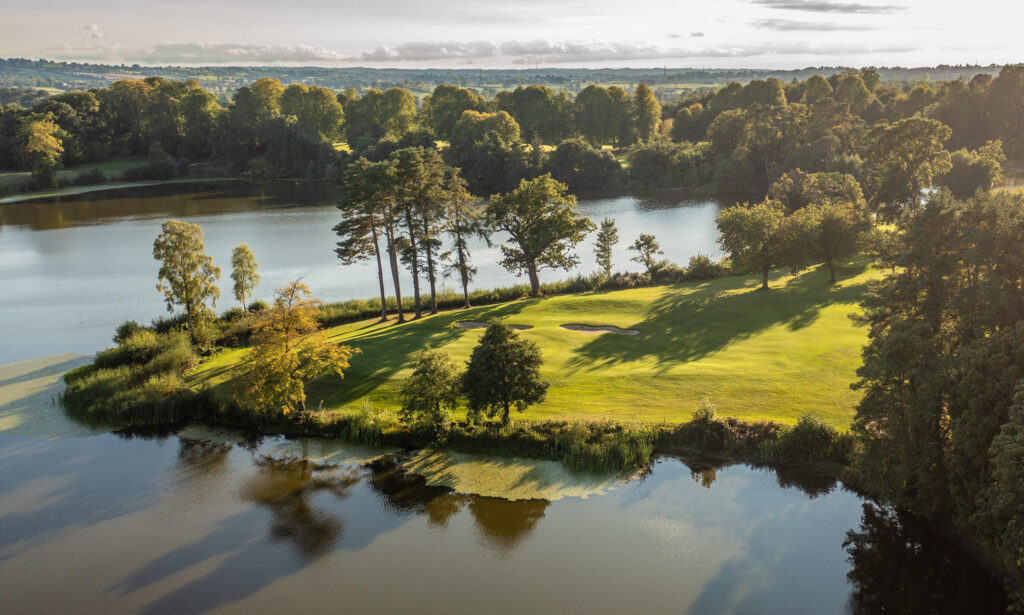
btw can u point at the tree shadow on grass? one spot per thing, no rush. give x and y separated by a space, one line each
387 350
686 326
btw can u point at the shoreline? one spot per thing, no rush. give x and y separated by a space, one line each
112 186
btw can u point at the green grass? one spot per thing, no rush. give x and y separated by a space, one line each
111 168
757 355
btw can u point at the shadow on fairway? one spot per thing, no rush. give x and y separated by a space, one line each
389 349
683 327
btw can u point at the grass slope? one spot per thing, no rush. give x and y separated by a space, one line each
757 355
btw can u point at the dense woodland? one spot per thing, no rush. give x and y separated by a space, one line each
735 139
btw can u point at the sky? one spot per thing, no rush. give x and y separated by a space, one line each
517 34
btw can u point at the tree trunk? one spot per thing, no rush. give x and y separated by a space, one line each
380 275
393 257
464 274
415 266
831 271
506 417
534 280
432 278
764 277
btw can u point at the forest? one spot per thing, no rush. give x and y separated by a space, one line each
736 139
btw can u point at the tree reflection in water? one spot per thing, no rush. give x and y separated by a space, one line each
286 487
503 524
900 565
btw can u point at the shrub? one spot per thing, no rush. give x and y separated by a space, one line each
166 324
89 178
701 267
257 306
126 330
136 349
668 273
233 315
604 446
812 439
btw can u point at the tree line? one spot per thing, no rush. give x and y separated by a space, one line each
741 137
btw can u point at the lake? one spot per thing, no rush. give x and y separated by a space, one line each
73 268
198 520
167 524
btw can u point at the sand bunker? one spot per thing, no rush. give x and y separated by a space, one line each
590 329
476 324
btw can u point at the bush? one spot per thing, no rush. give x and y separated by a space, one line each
701 267
126 330
668 273
604 446
257 306
166 324
233 315
89 178
812 439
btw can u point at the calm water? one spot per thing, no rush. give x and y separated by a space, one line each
106 524
73 268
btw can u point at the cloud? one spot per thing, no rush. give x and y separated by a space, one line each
697 34
579 52
92 29
419 51
786 25
825 6
227 53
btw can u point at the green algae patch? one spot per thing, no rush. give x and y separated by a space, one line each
512 478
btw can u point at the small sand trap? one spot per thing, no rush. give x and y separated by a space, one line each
476 324
589 329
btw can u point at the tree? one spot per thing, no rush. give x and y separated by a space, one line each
833 228
430 392
852 91
817 88
317 112
369 215
418 180
43 148
581 167
647 250
460 220
243 273
288 349
445 106
903 158
972 171
594 115
604 244
647 112
187 274
754 236
502 373
541 220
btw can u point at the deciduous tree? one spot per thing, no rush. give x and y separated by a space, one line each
541 220
187 274
431 392
288 349
243 273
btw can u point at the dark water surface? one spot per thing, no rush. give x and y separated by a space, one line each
73 268
108 524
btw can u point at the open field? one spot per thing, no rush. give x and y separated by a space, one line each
757 355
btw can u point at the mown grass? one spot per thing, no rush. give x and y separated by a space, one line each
111 168
773 355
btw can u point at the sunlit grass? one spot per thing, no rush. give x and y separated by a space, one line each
757 355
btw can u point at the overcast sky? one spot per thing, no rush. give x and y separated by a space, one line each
517 33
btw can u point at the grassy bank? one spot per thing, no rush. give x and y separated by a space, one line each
758 355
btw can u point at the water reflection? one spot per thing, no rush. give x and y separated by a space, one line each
158 523
286 487
901 565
